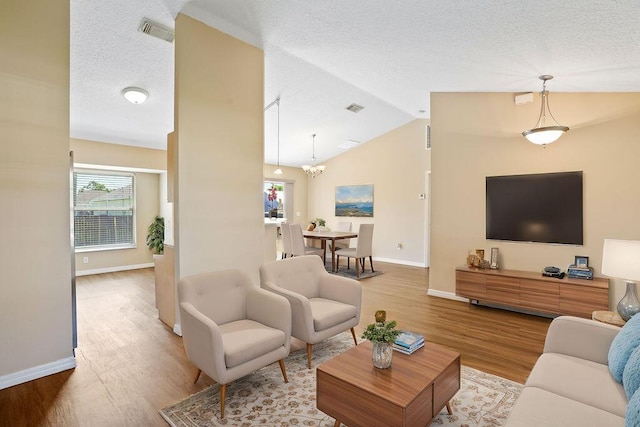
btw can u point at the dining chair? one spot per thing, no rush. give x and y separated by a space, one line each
231 328
322 304
344 226
298 247
361 251
286 240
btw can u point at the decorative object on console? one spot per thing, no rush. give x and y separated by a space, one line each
312 170
542 134
494 259
382 335
581 261
620 259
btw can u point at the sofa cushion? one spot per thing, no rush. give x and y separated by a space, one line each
536 407
622 346
632 418
327 313
244 340
580 380
631 375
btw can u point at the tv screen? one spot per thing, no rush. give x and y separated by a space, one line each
544 208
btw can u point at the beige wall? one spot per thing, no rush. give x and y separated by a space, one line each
219 95
35 288
475 135
299 179
117 155
396 164
148 202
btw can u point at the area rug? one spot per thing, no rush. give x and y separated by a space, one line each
263 399
351 272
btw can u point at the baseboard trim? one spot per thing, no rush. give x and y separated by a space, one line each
399 261
36 372
113 269
446 295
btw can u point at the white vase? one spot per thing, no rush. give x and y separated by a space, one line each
382 355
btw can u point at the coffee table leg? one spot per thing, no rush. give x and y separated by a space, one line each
336 424
449 411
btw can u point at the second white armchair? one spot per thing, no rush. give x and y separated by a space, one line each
322 304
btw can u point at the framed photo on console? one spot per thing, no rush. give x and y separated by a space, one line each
582 261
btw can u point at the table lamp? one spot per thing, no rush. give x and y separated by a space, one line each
621 259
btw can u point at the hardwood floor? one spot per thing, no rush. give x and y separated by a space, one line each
130 365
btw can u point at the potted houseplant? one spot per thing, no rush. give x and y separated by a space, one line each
382 335
155 235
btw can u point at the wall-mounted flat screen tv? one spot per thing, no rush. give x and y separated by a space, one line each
544 208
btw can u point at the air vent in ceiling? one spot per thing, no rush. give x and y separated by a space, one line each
348 144
355 108
154 29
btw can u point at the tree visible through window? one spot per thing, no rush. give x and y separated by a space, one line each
104 206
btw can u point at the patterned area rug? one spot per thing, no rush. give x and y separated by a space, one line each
351 272
263 399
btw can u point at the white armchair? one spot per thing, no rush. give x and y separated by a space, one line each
322 304
231 328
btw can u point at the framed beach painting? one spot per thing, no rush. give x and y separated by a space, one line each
354 200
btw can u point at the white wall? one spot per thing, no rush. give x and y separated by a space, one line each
35 266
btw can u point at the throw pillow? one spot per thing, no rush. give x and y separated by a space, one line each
622 346
632 416
631 374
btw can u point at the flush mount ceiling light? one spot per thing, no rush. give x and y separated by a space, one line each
313 170
543 134
135 95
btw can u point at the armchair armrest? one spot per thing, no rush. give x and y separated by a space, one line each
269 309
202 341
302 319
583 338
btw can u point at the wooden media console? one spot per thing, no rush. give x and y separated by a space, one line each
533 292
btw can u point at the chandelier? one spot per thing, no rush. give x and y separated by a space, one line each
313 170
542 134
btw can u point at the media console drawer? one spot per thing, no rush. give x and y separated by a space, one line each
532 291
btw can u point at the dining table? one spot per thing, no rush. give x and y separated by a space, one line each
324 236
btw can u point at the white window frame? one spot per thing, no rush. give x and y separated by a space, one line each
115 246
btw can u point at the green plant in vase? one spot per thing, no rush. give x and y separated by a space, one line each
382 335
155 235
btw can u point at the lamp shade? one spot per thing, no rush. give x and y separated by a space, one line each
621 259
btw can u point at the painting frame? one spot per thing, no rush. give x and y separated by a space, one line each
354 201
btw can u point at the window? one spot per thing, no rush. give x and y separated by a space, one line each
104 205
273 199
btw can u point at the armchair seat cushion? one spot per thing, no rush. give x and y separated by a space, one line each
327 313
245 340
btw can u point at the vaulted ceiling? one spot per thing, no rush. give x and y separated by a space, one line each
321 56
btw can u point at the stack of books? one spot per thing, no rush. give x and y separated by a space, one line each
408 342
579 272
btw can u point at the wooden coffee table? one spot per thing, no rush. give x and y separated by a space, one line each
410 393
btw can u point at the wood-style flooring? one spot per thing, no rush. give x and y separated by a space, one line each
130 365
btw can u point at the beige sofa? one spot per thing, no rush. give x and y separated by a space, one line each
570 384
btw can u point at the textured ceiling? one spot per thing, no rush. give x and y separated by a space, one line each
321 56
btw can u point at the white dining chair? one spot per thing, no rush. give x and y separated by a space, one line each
344 226
286 240
361 251
298 247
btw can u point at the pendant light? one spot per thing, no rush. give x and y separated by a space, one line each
313 170
543 133
278 171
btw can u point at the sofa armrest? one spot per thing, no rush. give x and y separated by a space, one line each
202 341
270 309
583 338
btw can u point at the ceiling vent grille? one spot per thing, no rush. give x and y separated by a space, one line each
154 29
355 108
348 144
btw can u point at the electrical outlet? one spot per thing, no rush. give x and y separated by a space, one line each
398 246
85 260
